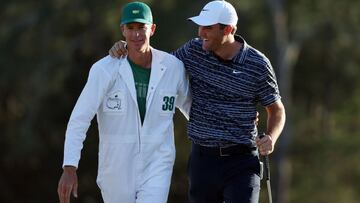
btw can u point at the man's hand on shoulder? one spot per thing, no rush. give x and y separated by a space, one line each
118 50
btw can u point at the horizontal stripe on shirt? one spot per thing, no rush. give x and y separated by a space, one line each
225 94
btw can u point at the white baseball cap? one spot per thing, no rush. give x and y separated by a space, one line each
216 12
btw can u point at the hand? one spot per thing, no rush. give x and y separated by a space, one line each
265 145
68 184
118 50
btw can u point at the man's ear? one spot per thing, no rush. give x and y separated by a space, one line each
153 28
228 29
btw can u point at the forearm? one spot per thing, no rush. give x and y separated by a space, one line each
276 120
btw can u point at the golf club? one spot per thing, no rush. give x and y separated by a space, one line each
267 171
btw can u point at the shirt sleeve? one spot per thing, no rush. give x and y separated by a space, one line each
268 86
82 114
182 52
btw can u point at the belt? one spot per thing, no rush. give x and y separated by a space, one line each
226 151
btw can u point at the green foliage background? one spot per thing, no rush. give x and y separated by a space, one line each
48 46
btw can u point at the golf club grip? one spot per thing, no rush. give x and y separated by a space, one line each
266 157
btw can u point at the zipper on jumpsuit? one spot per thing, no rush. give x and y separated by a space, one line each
138 163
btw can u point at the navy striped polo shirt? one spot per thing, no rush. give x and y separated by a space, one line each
225 93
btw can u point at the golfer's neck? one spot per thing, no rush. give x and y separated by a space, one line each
229 49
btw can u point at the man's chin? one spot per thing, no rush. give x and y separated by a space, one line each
138 47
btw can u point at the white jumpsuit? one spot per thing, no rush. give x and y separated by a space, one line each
135 162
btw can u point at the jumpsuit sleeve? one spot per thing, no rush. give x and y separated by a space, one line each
183 101
82 114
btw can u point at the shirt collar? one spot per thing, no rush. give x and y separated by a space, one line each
240 57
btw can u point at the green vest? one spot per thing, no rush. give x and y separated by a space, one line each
141 78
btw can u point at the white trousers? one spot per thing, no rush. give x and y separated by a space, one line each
129 175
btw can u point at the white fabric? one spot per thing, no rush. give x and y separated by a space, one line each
216 12
135 162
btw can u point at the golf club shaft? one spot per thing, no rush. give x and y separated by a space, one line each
269 190
267 172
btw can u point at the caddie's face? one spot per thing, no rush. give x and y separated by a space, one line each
137 35
212 36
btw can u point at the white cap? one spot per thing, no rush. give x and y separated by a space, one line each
216 12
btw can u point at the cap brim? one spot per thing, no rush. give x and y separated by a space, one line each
201 21
136 20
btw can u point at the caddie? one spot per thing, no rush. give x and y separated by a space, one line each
134 100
